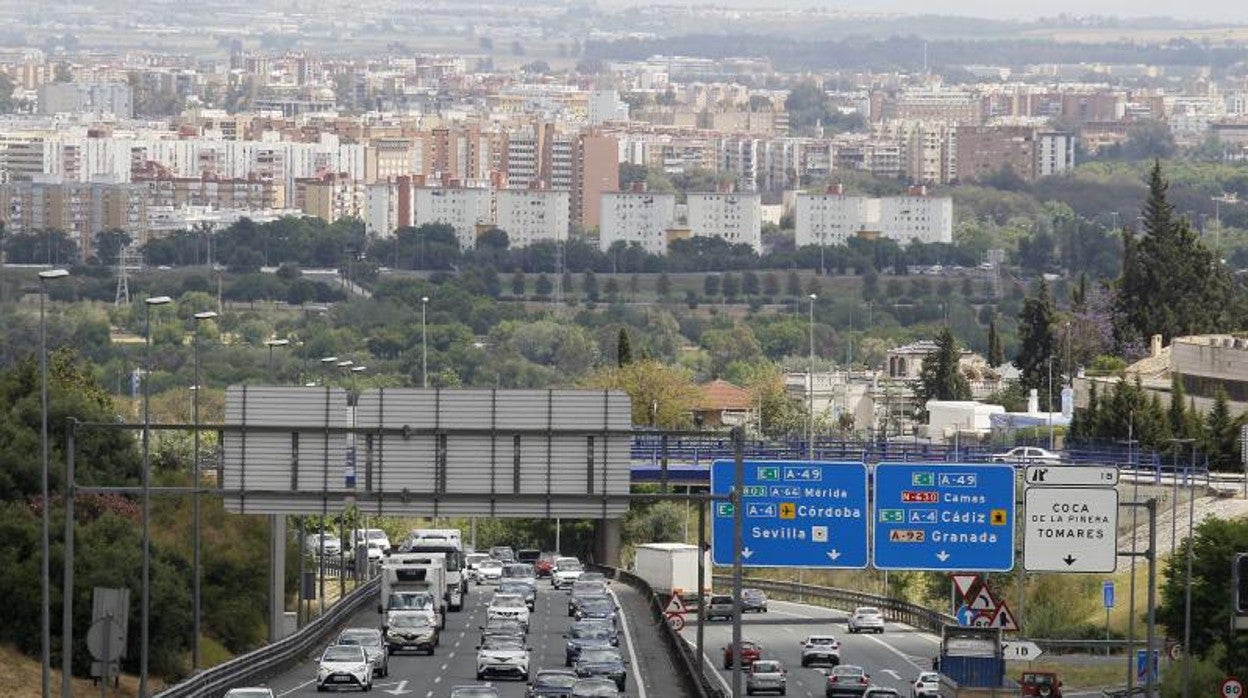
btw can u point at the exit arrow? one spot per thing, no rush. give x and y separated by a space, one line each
942 556
1069 559
746 553
399 689
833 554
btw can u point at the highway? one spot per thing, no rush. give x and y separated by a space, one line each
454 663
892 658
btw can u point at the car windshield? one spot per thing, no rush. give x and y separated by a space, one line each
718 600
867 612
765 667
1040 680
520 570
821 641
519 588
929 677
590 632
476 558
849 670
595 689
410 602
502 642
554 680
492 564
570 566
359 637
597 655
597 604
508 601
343 653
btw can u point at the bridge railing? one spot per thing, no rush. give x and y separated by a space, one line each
261 663
896 610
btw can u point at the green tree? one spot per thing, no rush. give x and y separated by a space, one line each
1171 283
731 286
710 285
771 285
517 284
793 285
664 286
749 283
1215 543
1035 341
996 355
543 286
623 350
941 377
589 284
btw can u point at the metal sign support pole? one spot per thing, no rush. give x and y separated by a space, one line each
67 596
738 486
701 587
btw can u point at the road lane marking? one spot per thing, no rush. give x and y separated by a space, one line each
905 657
632 655
296 688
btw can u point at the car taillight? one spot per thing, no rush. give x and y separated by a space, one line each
833 679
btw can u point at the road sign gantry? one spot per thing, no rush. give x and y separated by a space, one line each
944 517
795 514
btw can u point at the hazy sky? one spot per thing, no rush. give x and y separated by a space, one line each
1204 10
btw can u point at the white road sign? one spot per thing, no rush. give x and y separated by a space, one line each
1071 530
1021 650
1072 476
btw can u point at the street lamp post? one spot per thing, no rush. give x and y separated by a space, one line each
810 396
196 554
146 603
1050 402
424 343
271 344
46 627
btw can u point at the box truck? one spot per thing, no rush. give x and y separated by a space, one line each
670 568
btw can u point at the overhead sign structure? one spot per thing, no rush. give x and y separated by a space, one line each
794 513
1071 529
1072 476
944 517
1021 650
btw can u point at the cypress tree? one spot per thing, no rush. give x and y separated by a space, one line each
941 378
996 355
1177 413
623 349
1035 340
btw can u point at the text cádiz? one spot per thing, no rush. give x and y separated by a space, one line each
800 532
1070 521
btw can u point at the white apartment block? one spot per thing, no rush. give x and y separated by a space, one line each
1055 153
103 98
637 217
531 216
381 209
606 105
461 208
734 218
833 218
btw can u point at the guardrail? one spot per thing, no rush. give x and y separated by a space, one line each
263 662
895 610
694 681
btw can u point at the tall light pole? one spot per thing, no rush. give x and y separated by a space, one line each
271 344
1050 402
196 555
424 343
144 650
810 379
46 627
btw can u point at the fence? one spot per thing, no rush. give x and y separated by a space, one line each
268 660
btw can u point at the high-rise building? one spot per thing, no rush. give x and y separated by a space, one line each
531 215
736 218
100 98
639 217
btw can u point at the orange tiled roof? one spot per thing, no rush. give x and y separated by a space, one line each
722 395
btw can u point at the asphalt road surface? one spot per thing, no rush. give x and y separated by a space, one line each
893 658
454 663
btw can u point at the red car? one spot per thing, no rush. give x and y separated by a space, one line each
750 651
545 564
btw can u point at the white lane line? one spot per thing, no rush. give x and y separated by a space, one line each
296 688
905 657
715 672
632 655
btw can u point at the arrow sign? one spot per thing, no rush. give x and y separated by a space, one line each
833 554
965 616
1021 650
982 600
399 690
1062 520
942 556
1069 560
746 553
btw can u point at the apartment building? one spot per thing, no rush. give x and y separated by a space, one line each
80 209
532 215
639 217
101 98
464 209
916 217
832 218
1030 152
736 218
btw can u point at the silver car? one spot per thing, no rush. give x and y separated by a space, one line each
766 675
866 619
374 644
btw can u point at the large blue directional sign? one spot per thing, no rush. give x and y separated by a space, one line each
944 517
794 514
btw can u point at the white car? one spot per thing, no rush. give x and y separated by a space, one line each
1028 455
332 545
502 655
567 570
509 606
344 665
374 645
489 572
821 649
866 619
370 536
472 561
925 685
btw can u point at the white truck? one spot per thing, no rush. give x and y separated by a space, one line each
448 542
670 567
413 583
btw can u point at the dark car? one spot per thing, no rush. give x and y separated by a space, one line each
585 635
521 588
604 662
847 680
410 631
753 600
528 555
551 683
598 607
596 688
584 591
750 652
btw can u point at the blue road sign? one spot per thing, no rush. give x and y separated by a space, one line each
1107 594
794 514
944 517
1141 666
965 615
